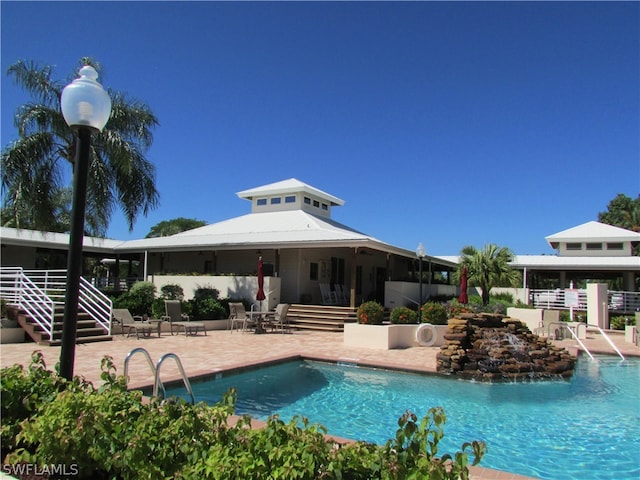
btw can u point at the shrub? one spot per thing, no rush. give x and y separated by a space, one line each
110 433
402 315
619 321
138 299
370 313
172 292
209 309
24 392
434 313
205 304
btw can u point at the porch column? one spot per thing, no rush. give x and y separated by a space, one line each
352 279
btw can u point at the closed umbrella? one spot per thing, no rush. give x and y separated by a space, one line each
463 298
260 296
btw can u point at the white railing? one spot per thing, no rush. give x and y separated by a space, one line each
96 304
558 299
18 289
625 302
38 292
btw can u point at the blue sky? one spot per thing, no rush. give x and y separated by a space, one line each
445 123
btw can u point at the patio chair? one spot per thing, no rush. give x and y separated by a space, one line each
175 317
278 318
239 316
328 295
130 324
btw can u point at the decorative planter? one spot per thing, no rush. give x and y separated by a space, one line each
12 335
387 337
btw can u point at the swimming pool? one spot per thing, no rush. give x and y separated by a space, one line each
585 428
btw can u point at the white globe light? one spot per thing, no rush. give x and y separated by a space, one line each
420 251
84 102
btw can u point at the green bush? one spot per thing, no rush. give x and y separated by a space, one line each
402 315
205 304
139 299
619 321
370 313
171 291
434 313
110 433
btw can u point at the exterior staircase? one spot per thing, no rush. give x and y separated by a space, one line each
87 329
327 318
35 298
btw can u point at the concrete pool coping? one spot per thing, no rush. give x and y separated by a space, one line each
221 351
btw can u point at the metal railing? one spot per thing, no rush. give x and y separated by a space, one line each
618 301
157 382
18 289
38 292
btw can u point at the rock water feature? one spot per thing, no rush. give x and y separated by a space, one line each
493 348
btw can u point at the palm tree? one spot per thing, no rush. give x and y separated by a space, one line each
488 268
32 175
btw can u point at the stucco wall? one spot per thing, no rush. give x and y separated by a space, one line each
235 287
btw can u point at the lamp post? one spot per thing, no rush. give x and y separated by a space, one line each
420 253
86 108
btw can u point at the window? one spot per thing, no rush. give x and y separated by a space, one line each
261 201
615 246
574 246
325 206
313 271
276 200
316 203
594 246
290 199
307 200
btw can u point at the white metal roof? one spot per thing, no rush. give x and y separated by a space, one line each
294 228
593 232
34 238
555 262
291 185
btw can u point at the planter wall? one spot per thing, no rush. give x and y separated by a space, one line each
532 317
236 287
12 335
387 337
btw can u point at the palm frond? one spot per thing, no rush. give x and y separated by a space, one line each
36 80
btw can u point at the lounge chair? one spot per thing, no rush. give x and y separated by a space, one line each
239 316
278 318
131 324
179 320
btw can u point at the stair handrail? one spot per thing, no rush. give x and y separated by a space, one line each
602 332
90 300
20 290
96 304
158 383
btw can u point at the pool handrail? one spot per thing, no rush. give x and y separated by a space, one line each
158 383
573 334
606 337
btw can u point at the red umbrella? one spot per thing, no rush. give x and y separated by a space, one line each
260 295
463 298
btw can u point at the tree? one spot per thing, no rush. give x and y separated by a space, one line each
33 170
176 225
623 212
488 268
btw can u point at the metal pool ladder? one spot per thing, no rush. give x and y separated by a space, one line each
157 383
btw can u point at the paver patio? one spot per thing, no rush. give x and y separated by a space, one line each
222 350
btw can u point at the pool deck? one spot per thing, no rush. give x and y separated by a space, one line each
221 350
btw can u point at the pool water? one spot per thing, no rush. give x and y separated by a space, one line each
581 429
